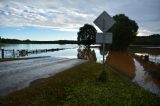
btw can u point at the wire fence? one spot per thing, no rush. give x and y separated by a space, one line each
21 53
8 53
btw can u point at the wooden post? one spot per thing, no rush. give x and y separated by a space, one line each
13 53
2 53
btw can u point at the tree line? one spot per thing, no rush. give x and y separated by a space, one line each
17 41
147 40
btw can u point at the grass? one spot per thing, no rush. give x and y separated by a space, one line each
78 86
13 59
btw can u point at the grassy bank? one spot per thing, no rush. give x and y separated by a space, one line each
78 87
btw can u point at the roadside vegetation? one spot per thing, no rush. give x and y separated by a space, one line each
79 86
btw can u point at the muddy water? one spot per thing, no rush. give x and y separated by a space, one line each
146 79
143 73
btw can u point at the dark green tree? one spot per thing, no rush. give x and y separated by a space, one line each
124 32
87 35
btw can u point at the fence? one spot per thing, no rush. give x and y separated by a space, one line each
21 53
8 53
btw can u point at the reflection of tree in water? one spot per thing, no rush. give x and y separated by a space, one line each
106 51
122 61
86 53
101 49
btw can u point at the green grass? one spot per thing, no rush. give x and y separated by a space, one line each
78 86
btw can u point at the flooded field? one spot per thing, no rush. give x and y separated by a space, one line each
132 63
145 74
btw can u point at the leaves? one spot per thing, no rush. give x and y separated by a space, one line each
124 32
87 35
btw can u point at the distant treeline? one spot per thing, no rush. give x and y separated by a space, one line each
148 40
140 40
16 41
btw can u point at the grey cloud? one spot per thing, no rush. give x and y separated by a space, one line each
71 14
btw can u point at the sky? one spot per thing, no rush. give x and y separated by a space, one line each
61 19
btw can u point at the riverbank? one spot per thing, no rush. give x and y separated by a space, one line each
78 86
13 59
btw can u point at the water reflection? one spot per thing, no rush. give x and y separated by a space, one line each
122 61
146 74
94 53
35 46
105 50
146 79
86 53
152 57
141 73
152 52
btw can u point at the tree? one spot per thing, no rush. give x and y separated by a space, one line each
87 35
124 32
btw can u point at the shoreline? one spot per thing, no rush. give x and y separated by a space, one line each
15 59
38 81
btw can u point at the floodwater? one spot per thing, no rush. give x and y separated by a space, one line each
146 79
154 58
145 74
70 50
16 75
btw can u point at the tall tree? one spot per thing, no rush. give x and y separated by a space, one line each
87 35
124 32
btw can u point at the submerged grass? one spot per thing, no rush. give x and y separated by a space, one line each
78 86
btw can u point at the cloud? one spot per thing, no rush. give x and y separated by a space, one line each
144 32
71 14
50 16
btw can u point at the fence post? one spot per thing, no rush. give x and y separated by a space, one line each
13 53
2 53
